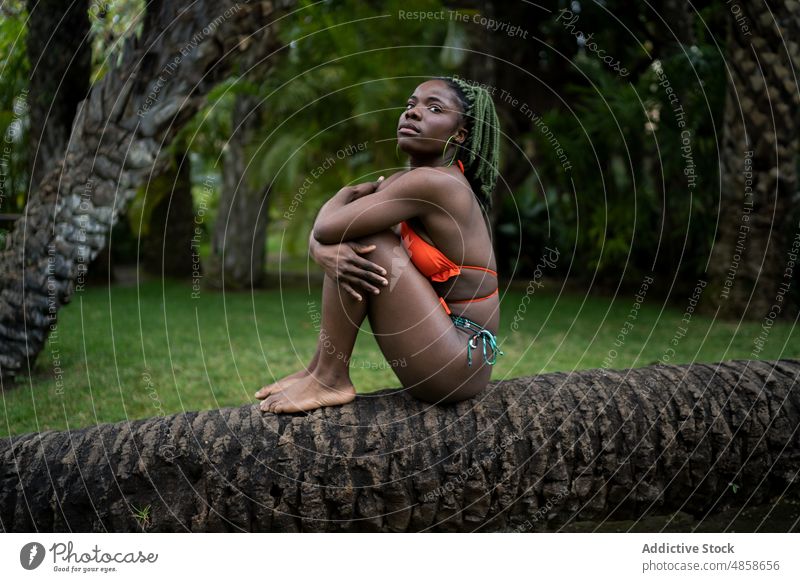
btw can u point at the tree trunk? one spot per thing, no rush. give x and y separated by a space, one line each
238 253
530 454
167 247
60 55
138 107
760 136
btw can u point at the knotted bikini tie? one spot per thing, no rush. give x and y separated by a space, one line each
482 334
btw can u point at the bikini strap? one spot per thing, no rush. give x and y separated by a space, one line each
460 165
474 300
479 269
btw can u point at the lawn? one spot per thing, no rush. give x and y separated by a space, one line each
134 352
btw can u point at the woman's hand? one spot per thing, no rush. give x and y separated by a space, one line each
361 190
344 264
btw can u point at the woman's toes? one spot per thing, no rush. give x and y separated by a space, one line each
265 391
269 403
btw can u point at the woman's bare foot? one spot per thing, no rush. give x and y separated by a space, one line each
281 384
309 393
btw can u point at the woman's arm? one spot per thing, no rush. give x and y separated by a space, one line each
345 264
415 193
348 194
337 201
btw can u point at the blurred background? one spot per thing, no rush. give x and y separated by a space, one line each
623 185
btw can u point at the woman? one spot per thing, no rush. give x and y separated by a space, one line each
433 303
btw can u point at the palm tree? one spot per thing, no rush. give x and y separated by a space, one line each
140 105
759 160
528 454
60 55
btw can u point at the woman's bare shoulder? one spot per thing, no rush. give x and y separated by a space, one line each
441 185
431 179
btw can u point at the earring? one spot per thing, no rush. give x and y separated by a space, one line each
445 149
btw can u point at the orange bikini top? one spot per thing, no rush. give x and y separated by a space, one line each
429 260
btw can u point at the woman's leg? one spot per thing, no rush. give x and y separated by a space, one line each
336 301
427 352
327 381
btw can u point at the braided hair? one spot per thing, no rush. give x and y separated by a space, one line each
480 152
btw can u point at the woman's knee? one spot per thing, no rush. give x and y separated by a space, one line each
378 237
386 243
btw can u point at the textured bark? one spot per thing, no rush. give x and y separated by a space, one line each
139 106
60 54
762 115
529 453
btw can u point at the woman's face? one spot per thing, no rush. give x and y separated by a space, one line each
431 117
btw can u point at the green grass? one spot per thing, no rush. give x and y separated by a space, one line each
128 352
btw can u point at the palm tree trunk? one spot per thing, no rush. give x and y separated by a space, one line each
759 142
167 247
129 116
238 244
530 453
60 55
